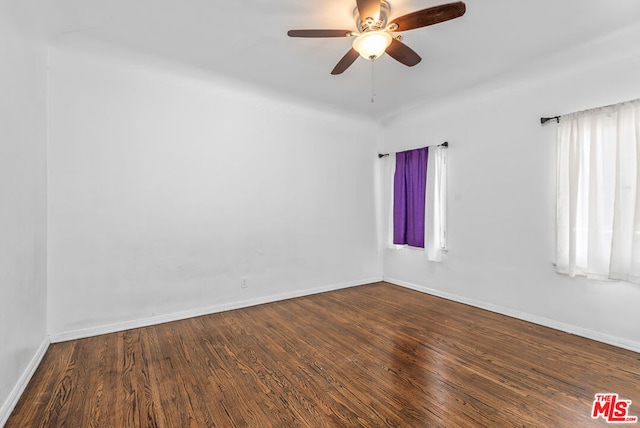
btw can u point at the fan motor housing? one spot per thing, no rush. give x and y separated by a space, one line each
369 25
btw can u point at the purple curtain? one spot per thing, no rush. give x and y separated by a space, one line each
409 192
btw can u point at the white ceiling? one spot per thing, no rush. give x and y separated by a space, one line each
247 40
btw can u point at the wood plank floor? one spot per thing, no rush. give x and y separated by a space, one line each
375 355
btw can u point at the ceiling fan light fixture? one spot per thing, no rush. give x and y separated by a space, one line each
373 37
372 44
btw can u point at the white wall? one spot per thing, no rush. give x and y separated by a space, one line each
502 192
166 187
22 195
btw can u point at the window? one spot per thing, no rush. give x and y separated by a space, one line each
598 199
422 174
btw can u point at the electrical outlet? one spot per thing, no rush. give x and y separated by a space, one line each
244 282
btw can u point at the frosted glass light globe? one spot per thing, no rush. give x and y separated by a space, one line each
372 44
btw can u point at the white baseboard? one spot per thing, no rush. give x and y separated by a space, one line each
176 316
546 322
18 389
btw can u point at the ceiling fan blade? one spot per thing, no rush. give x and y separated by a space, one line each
345 62
319 33
429 16
403 53
368 9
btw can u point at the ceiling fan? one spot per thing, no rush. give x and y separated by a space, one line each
374 38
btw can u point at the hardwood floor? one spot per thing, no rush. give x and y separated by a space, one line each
375 355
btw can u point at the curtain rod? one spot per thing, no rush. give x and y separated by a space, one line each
544 120
445 144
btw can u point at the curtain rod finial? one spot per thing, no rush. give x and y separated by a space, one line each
544 120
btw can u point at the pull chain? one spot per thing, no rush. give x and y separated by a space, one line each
373 80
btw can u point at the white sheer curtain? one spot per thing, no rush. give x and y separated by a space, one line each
598 193
435 241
